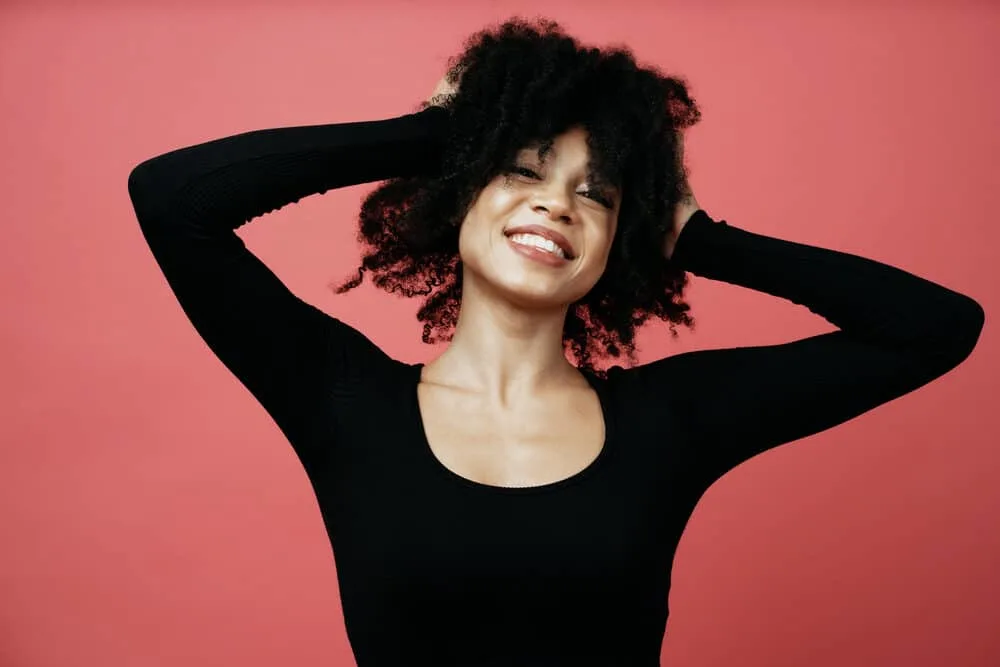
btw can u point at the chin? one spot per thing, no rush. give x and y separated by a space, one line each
525 283
532 298
534 291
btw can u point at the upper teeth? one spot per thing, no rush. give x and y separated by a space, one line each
538 242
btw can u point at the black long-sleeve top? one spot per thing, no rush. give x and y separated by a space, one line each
436 569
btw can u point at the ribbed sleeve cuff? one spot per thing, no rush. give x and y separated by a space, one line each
695 239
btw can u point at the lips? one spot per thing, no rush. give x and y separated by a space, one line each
545 233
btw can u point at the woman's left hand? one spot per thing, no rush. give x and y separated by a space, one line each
685 208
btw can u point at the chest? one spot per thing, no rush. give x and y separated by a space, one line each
538 442
419 550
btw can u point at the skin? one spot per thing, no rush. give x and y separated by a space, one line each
502 405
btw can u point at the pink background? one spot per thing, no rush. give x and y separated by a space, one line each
152 514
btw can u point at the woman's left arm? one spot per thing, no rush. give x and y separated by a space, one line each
897 332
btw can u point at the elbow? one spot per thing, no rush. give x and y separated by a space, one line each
148 197
964 329
138 184
148 188
139 181
137 191
976 322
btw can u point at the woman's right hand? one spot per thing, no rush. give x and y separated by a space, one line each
444 90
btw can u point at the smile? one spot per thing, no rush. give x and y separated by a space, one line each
536 241
541 244
542 250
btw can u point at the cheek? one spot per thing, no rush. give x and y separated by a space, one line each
599 252
603 240
483 222
475 241
474 227
466 250
493 202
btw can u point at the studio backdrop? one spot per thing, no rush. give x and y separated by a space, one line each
151 513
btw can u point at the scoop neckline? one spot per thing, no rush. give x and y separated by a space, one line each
587 472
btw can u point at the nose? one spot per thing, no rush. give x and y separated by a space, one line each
554 202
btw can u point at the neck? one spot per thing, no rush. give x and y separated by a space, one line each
501 349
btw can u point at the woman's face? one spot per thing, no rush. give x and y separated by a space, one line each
540 235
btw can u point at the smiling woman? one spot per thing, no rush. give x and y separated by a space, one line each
502 505
575 159
547 213
537 122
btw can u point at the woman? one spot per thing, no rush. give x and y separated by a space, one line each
503 505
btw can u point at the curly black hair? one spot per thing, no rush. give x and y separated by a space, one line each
525 81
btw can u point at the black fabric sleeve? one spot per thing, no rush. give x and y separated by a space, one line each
190 201
897 332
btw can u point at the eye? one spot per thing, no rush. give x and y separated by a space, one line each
599 198
523 171
590 194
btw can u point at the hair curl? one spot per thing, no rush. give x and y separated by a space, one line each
523 81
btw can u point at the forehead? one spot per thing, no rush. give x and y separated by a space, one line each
570 145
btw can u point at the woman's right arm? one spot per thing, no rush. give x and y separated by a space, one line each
190 201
